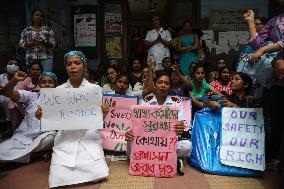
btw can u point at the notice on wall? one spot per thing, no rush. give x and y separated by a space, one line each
117 121
227 19
85 32
113 47
153 149
71 108
113 25
243 138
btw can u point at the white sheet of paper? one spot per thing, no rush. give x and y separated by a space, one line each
243 138
71 108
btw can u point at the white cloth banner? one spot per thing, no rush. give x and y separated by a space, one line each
71 108
243 138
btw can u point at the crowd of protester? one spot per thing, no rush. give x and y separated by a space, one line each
160 66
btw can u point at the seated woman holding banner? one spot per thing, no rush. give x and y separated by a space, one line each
161 96
240 98
78 155
27 138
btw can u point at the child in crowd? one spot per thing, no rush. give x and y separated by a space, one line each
78 155
161 96
27 138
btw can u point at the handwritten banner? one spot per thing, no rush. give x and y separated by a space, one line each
71 108
117 121
153 150
243 138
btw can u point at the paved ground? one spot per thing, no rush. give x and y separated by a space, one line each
35 176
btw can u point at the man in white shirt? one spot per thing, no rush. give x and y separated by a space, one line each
158 40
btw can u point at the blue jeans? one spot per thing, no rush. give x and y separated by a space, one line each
47 64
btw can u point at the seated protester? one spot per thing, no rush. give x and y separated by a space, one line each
167 66
213 75
27 138
89 76
179 85
191 66
136 72
121 85
10 108
220 63
78 155
145 87
161 96
199 90
223 83
31 83
240 97
112 73
11 68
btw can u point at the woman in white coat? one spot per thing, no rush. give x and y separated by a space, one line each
78 155
27 138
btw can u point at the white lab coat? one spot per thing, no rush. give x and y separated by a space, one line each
27 137
78 155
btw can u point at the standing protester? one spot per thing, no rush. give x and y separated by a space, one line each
158 41
187 46
38 40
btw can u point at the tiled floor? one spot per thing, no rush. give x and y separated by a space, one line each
35 176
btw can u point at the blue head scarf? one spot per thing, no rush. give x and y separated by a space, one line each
78 54
50 74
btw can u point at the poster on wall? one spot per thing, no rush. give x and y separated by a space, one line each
85 30
227 19
113 23
113 47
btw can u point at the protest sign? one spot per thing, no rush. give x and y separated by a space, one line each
243 138
186 103
71 108
117 121
153 149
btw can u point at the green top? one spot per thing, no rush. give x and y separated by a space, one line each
205 88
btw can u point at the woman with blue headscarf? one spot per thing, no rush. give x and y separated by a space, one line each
78 155
27 138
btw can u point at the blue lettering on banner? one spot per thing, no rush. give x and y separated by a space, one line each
51 100
75 97
245 157
76 113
